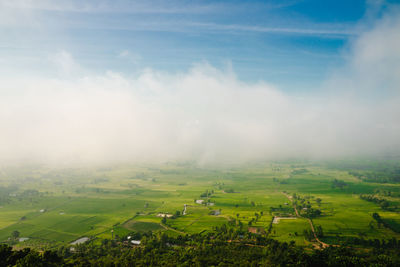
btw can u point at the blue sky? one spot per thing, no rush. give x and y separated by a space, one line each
261 40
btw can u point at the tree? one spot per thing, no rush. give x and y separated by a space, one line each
338 183
318 231
384 204
376 216
308 235
240 225
15 234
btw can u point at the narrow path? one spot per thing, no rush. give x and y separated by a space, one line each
290 199
192 222
324 245
172 229
225 216
184 209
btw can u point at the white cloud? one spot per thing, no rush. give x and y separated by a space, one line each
205 114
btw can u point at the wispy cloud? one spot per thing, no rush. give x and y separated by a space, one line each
116 6
128 55
141 6
334 30
194 17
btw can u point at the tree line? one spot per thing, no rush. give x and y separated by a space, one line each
224 246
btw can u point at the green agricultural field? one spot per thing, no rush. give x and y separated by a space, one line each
140 226
57 206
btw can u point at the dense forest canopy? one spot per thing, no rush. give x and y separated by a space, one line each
223 247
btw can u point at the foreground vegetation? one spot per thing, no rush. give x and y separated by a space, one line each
213 249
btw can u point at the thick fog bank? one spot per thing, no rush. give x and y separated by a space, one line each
206 114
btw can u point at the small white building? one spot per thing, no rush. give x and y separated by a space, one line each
164 215
200 201
135 242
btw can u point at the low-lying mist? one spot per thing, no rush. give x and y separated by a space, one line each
206 114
